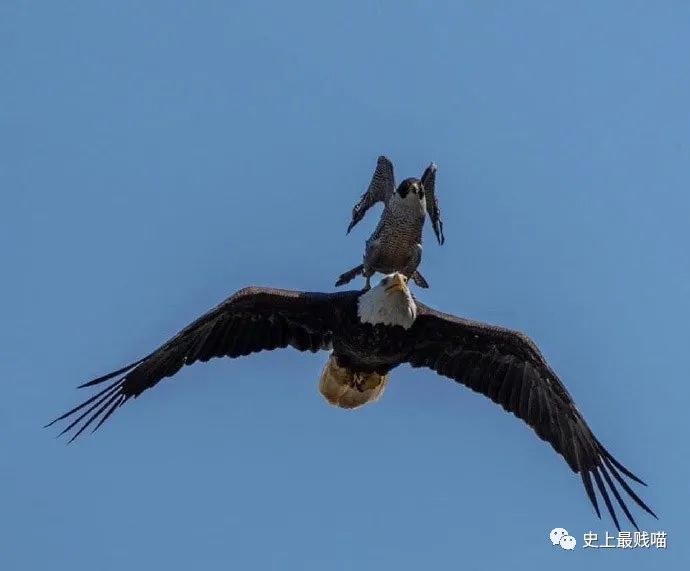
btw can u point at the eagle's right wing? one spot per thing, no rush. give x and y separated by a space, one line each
253 319
507 367
380 189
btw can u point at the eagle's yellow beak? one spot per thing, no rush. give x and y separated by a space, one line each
397 283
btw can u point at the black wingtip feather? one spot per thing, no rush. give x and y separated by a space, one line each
94 416
618 465
629 490
587 481
106 396
608 468
620 501
109 376
108 400
605 495
82 405
120 398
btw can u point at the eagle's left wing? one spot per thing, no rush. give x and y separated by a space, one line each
253 319
507 367
429 183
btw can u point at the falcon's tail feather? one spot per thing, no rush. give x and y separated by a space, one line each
419 280
348 276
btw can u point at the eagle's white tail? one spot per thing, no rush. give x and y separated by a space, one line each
339 385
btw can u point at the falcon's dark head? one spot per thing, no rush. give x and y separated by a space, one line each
411 185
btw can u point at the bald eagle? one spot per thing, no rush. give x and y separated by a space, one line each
369 333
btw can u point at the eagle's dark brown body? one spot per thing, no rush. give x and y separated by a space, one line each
353 341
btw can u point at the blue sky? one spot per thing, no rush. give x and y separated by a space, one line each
155 158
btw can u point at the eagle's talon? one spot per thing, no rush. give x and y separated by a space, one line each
357 383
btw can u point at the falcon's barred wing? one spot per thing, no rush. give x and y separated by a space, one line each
380 189
429 183
254 319
507 367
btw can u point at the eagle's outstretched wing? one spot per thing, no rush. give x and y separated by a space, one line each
380 189
507 367
429 183
253 319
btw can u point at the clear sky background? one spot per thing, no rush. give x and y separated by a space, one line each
156 157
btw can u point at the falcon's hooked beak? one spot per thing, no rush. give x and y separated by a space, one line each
397 282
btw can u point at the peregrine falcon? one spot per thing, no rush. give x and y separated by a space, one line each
396 244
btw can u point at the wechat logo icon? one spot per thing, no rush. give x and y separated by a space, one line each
562 538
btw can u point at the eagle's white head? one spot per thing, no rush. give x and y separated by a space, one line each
389 303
